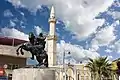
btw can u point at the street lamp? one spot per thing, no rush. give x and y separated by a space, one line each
64 67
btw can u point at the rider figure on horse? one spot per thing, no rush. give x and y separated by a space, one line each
36 47
37 41
41 40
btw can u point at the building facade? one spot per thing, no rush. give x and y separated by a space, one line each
8 58
72 72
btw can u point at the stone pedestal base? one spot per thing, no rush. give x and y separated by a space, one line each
33 74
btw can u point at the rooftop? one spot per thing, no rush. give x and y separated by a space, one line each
9 41
7 48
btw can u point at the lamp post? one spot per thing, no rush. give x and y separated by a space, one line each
64 66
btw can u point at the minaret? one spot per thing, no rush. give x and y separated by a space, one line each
51 39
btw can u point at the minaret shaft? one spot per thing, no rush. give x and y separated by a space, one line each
52 28
51 39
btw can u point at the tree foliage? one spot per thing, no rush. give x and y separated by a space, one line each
100 68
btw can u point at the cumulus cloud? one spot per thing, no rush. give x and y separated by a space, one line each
37 29
116 4
76 14
114 14
108 50
104 37
78 54
14 33
8 13
116 46
12 24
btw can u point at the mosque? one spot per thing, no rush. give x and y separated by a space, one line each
68 71
62 72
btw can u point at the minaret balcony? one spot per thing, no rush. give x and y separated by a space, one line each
52 37
52 20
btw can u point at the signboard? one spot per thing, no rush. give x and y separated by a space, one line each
2 72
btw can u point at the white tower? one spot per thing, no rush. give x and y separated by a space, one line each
51 39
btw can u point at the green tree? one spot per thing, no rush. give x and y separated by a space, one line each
99 67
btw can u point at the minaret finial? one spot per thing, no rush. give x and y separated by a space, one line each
52 13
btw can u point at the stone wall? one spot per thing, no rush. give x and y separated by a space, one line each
33 74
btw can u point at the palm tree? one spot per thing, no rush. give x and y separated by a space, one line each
99 68
92 66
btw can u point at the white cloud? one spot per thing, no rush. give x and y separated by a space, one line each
117 3
116 23
116 46
23 27
78 15
108 51
104 37
110 57
8 13
77 52
14 33
16 3
12 24
114 14
94 45
38 30
22 13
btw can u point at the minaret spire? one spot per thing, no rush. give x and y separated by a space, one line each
52 13
52 22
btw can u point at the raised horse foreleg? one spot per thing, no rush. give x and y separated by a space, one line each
21 51
17 51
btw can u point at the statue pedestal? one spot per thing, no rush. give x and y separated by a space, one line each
33 74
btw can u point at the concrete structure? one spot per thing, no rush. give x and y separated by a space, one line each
51 39
73 72
33 74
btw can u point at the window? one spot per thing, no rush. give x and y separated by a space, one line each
15 66
82 77
9 66
87 78
12 66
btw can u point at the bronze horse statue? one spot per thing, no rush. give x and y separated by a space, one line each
35 48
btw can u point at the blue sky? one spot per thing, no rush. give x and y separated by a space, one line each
85 28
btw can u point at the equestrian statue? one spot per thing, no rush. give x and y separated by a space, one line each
35 46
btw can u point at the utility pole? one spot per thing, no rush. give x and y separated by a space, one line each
64 65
